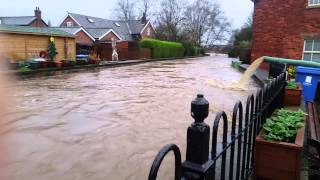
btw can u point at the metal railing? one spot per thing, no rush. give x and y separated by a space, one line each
236 157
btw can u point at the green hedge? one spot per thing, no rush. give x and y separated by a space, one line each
191 50
163 49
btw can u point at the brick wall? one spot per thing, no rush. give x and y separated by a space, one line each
280 27
83 38
144 34
38 23
109 36
68 19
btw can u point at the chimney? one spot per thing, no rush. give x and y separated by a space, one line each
37 13
144 19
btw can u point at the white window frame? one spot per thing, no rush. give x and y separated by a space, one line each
309 52
69 24
314 2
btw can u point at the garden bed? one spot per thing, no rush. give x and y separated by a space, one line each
76 68
279 159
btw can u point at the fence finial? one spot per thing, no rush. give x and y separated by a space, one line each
198 132
199 108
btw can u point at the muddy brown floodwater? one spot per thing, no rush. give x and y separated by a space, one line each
110 123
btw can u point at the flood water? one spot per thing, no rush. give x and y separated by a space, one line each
111 123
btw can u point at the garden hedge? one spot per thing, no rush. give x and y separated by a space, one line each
191 50
163 49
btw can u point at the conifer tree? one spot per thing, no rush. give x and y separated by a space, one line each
52 50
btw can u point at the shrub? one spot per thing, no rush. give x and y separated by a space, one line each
241 50
163 49
232 53
23 69
202 51
191 50
188 48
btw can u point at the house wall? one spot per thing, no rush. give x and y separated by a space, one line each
126 51
280 27
18 47
109 36
144 34
83 38
64 23
38 23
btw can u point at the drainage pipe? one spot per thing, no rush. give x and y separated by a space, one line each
291 62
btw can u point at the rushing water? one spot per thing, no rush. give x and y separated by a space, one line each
250 71
110 123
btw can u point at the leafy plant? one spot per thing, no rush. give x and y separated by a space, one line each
52 50
23 69
283 125
292 85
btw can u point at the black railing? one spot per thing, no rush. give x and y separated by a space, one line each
236 157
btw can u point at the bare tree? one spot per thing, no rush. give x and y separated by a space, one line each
169 19
145 8
204 23
125 10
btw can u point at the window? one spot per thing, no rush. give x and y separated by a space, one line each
0 21
90 20
312 50
69 24
314 2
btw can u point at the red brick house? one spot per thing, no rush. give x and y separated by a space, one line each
34 21
288 29
90 29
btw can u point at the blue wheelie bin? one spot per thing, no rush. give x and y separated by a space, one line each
308 77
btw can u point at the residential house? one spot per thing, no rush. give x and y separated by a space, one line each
19 43
34 21
92 30
288 29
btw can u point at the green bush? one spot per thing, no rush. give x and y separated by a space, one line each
163 49
188 48
202 51
232 53
23 69
191 50
241 50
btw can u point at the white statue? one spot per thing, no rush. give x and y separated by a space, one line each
114 50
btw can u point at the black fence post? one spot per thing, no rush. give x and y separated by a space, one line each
197 162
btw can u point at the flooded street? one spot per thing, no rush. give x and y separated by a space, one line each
110 123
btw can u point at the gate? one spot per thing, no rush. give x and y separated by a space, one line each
236 158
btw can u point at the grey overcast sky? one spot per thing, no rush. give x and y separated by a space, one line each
237 11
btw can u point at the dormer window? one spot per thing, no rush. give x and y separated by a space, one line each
117 24
69 24
90 20
314 2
